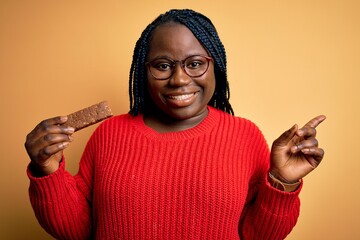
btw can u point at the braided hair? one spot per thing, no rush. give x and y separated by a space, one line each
205 32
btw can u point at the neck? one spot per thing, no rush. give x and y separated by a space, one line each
163 123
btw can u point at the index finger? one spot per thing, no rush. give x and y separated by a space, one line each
315 121
52 121
48 124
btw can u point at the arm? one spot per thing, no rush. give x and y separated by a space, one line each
60 205
271 213
60 201
268 212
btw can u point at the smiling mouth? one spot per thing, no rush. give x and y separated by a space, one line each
181 97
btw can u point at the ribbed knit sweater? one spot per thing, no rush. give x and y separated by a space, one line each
207 182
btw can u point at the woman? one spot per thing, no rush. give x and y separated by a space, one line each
179 165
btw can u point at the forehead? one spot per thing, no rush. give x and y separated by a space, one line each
174 40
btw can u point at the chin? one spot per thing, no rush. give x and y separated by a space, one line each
185 113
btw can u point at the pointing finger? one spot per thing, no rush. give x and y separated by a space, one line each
315 121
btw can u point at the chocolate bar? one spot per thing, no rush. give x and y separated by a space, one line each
89 116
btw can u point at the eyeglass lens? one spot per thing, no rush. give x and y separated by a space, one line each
194 66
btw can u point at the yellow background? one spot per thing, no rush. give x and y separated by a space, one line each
288 61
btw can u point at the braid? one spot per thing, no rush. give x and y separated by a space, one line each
205 32
138 73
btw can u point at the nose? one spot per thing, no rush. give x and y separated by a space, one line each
179 78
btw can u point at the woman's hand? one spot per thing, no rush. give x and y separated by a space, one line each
45 144
296 152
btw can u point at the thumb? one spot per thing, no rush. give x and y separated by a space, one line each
286 137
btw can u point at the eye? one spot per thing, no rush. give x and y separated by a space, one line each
194 64
162 65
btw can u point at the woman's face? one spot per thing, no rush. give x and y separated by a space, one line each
180 97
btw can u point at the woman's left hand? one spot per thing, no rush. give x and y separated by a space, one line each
296 152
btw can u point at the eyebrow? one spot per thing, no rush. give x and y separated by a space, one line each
186 56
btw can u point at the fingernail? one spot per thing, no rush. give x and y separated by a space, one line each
294 148
70 130
300 132
305 150
64 145
71 138
63 118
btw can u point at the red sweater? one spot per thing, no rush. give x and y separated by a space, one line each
208 182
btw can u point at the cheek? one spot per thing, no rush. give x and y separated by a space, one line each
208 86
211 74
154 89
211 88
210 83
151 89
149 83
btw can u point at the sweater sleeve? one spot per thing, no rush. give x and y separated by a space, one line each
62 202
268 212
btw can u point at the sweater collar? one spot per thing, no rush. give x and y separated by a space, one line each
202 128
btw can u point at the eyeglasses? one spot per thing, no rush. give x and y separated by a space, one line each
163 68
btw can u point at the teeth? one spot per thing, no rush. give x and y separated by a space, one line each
181 97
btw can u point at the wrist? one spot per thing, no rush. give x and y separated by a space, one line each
282 185
44 170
